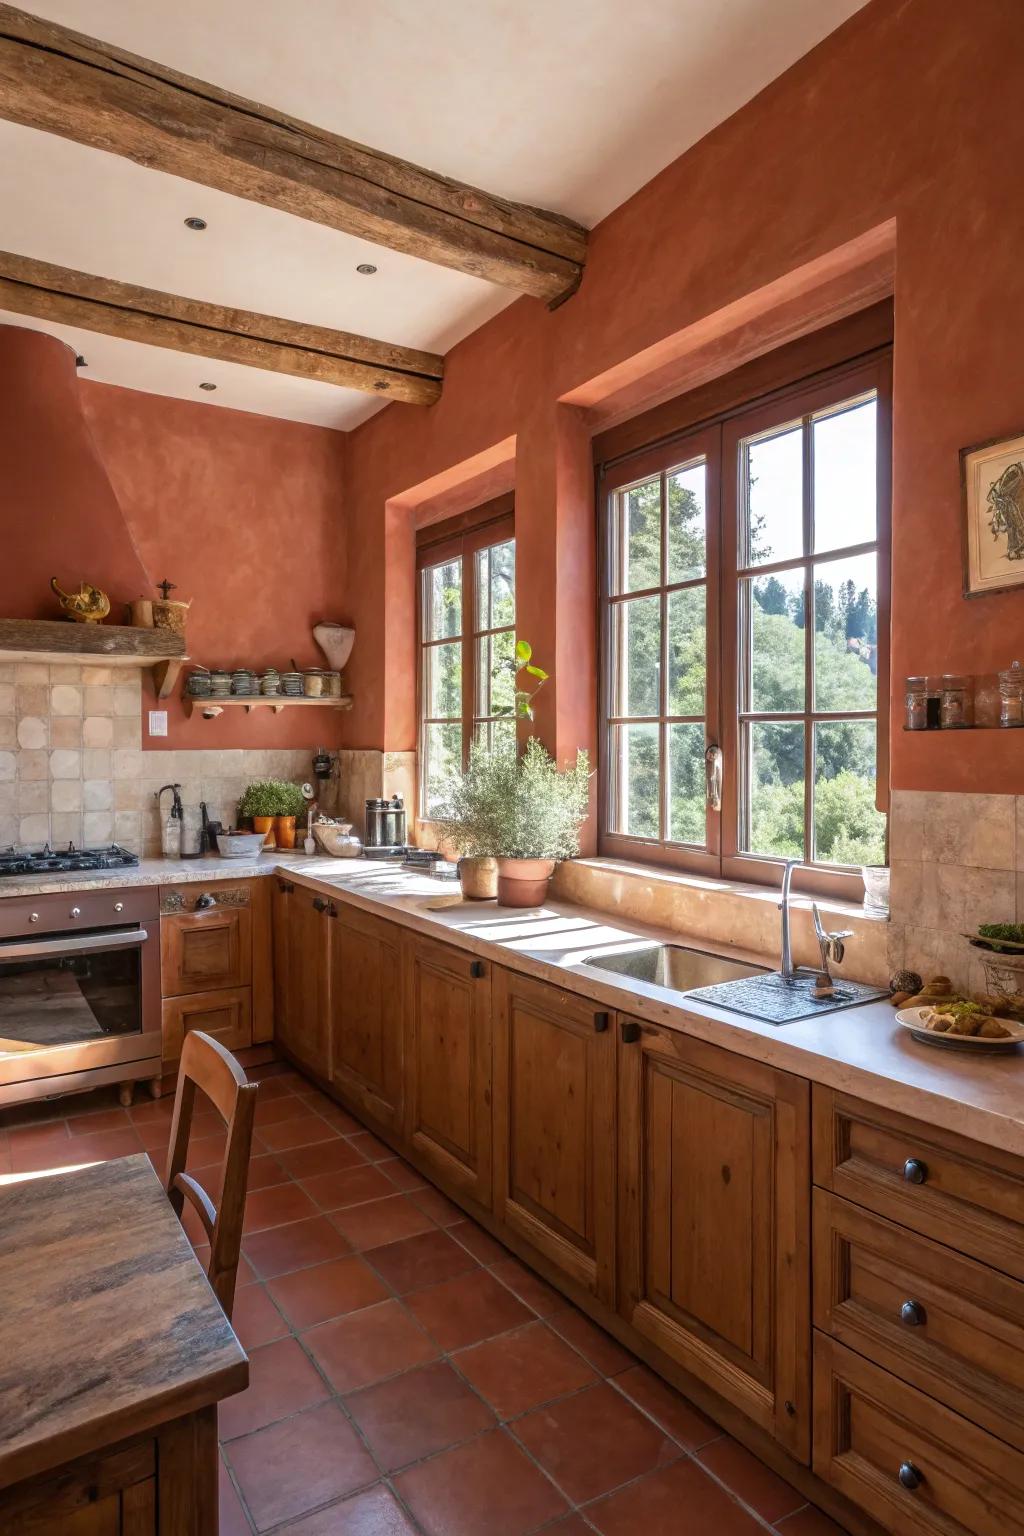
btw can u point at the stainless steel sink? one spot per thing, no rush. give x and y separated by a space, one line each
672 965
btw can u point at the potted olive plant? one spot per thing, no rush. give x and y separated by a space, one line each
273 805
522 811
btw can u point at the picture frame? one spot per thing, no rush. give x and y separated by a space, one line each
992 505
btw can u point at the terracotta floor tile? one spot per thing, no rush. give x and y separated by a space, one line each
101 1120
593 1442
281 1381
366 1346
46 1134
274 1206
667 1407
321 1157
374 1513
349 1186
154 1134
283 1107
295 1246
539 1296
680 1497
757 1485
233 1521
272 1085
417 1414
102 1147
381 1221
487 1486
572 1525
480 1243
809 1521
204 1150
265 1171
340 1118
301 1130
467 1310
255 1318
416 1262
521 1370
402 1175
148 1110
370 1147
311 1296
604 1354
437 1206
293 1467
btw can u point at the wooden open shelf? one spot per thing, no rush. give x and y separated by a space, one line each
61 642
276 702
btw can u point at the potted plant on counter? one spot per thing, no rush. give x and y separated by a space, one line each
523 812
259 805
291 803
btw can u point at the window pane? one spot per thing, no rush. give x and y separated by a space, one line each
443 751
687 651
772 470
636 656
496 674
687 815
844 477
636 561
775 605
686 523
847 827
442 600
775 789
496 735
496 585
846 634
443 680
635 780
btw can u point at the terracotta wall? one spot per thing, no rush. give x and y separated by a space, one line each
886 150
244 513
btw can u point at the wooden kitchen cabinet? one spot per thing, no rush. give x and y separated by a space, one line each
206 948
448 1064
554 1127
215 963
226 1015
714 1221
366 1013
304 1027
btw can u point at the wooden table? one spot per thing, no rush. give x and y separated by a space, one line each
113 1357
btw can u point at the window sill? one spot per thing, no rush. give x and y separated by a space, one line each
709 886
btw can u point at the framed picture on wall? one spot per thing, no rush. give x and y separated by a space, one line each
992 488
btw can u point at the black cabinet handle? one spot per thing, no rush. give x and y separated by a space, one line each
319 905
285 886
477 969
912 1313
205 901
600 1023
909 1476
332 910
629 1032
914 1171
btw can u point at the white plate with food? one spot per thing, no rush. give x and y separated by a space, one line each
961 1027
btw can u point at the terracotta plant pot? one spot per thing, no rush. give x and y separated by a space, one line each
479 878
523 882
265 824
284 831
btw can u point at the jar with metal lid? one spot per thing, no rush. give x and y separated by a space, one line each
313 683
916 694
1011 696
955 702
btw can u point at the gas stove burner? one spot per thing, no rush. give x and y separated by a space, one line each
47 860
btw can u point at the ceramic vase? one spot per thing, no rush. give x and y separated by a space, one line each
479 878
523 882
284 831
265 824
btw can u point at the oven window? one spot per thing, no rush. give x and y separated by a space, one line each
52 994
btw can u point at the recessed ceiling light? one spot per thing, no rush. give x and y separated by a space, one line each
366 268
207 386
195 223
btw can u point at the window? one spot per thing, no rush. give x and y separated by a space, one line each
746 607
467 644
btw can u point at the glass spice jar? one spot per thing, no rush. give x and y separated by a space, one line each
916 703
1011 696
986 701
955 702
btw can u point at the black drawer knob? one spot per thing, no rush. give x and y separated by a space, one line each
629 1031
205 901
914 1171
600 1023
319 905
477 970
912 1313
909 1476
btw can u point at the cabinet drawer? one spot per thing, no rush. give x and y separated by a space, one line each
935 1319
225 1014
969 1197
916 1467
203 950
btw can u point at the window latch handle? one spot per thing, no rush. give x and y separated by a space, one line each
713 775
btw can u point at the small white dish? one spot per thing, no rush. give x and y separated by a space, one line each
913 1019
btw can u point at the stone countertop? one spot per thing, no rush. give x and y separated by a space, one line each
861 1051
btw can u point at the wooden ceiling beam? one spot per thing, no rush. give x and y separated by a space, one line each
82 89
47 292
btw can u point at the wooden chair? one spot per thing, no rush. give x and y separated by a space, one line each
206 1065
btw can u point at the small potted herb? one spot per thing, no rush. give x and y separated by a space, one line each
272 805
291 804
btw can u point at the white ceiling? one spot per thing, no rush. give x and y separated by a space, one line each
567 104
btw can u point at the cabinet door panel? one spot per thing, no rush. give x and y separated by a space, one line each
226 1015
715 1221
204 950
306 1009
448 1064
554 1116
366 1013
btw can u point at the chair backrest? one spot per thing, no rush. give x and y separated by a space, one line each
206 1065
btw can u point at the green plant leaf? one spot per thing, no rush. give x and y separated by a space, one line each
538 672
524 650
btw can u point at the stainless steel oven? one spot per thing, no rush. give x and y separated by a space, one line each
79 991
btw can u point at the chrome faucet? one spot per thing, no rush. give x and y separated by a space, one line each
786 967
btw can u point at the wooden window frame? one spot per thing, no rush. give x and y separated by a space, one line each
797 397
458 538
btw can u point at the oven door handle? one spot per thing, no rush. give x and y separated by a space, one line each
56 947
